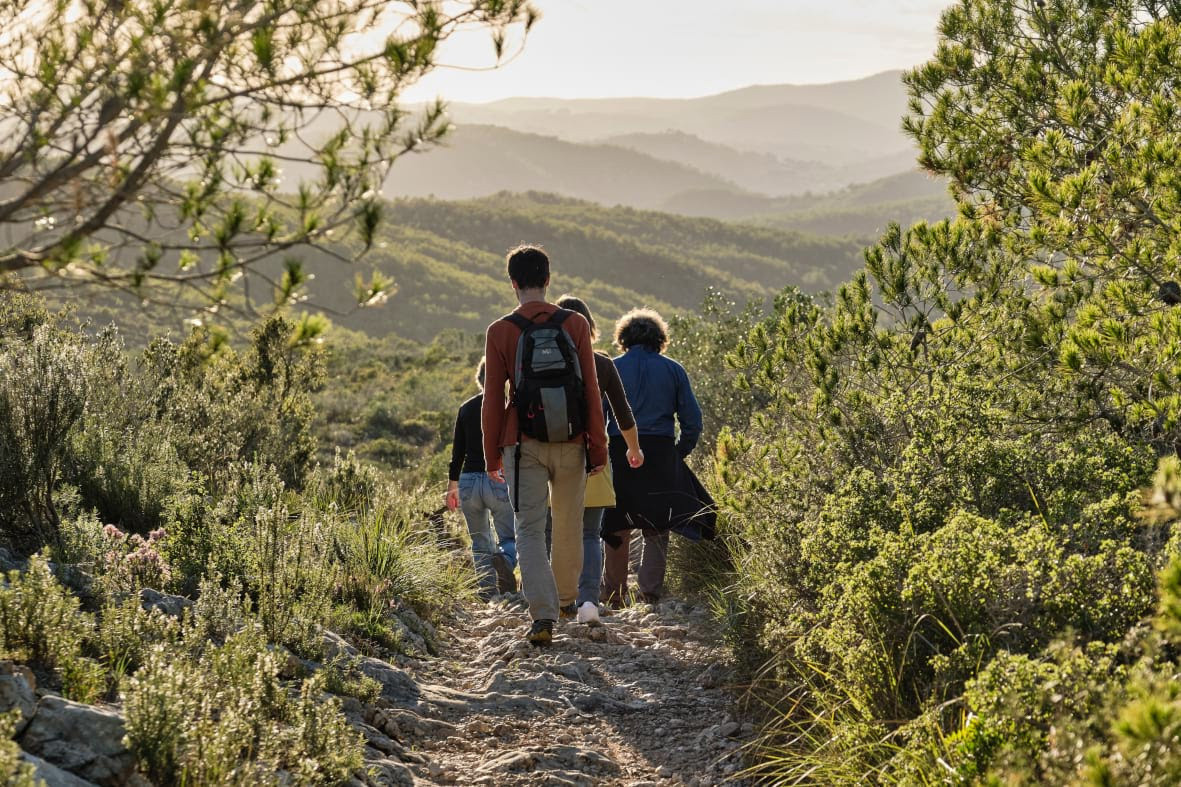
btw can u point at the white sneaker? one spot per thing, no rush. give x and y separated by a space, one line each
588 612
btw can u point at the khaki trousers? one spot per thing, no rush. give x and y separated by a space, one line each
553 473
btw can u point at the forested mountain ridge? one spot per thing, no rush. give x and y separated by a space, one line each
447 259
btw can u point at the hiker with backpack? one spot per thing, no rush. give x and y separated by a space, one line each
600 494
545 437
663 495
479 497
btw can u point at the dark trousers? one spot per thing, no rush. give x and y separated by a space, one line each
650 577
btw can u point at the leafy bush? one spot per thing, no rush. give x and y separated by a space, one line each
388 556
43 390
40 622
900 519
127 632
223 408
224 717
13 770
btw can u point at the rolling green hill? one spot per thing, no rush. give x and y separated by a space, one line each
866 209
862 211
447 259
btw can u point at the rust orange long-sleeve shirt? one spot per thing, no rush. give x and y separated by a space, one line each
498 419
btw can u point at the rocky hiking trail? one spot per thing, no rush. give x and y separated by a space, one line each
642 699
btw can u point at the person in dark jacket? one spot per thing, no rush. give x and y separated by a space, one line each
663 495
471 489
590 580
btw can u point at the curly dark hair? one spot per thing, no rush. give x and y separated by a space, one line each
576 304
528 266
641 328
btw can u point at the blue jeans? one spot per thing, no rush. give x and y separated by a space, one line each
479 498
592 554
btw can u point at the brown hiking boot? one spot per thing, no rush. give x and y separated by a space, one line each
506 580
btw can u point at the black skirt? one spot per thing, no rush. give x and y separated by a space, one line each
662 494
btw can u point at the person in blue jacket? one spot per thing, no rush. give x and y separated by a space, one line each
663 494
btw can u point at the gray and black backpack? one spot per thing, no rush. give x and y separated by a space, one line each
548 389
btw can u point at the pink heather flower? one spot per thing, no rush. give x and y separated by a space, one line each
110 531
136 540
157 534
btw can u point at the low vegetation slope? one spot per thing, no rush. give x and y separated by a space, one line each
863 210
448 260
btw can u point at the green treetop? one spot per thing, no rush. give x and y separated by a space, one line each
144 139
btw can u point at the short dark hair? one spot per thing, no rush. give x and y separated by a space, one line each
642 328
480 370
528 266
576 304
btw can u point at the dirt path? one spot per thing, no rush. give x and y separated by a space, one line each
640 700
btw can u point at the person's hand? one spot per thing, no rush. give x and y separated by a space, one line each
635 458
497 476
452 495
597 470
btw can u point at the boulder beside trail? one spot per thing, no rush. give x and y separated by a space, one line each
172 606
85 740
53 776
17 685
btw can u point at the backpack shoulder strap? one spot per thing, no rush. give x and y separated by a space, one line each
522 323
559 317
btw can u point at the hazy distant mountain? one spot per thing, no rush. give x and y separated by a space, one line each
480 160
721 156
839 123
763 173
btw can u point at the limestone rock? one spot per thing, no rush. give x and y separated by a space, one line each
16 692
336 646
396 685
172 606
51 775
82 739
10 562
509 761
384 772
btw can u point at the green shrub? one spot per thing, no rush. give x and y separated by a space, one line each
13 770
290 574
342 677
41 623
254 539
388 554
43 389
1022 707
222 608
125 466
224 717
222 408
127 632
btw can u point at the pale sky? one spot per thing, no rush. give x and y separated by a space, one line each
683 48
